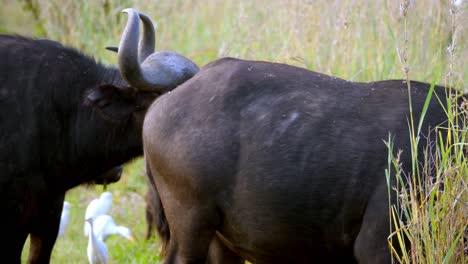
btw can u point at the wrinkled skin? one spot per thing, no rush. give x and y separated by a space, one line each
278 164
65 120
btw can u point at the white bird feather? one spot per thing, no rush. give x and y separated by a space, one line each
104 226
64 218
98 206
97 249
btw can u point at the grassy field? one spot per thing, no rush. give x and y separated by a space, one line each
359 40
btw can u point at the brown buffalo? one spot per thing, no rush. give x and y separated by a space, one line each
277 164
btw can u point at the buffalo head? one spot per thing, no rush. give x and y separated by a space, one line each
146 73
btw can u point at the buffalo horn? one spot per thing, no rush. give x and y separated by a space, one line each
147 41
159 71
112 48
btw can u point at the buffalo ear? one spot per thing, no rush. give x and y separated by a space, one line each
110 101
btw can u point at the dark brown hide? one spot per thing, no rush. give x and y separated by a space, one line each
279 164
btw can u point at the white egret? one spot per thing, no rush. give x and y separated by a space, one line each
64 218
104 226
97 249
458 3
98 206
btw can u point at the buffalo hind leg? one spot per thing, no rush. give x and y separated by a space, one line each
220 254
371 244
192 230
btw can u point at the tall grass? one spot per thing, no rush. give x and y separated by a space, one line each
348 39
430 217
357 40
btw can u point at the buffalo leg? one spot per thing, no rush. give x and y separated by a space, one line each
44 231
191 234
14 242
371 244
220 254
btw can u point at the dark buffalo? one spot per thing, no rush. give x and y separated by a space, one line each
278 164
65 120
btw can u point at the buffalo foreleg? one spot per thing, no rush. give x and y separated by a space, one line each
44 231
15 237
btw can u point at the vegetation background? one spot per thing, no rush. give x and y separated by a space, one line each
358 40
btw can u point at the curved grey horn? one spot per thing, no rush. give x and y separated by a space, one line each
160 71
148 40
128 52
